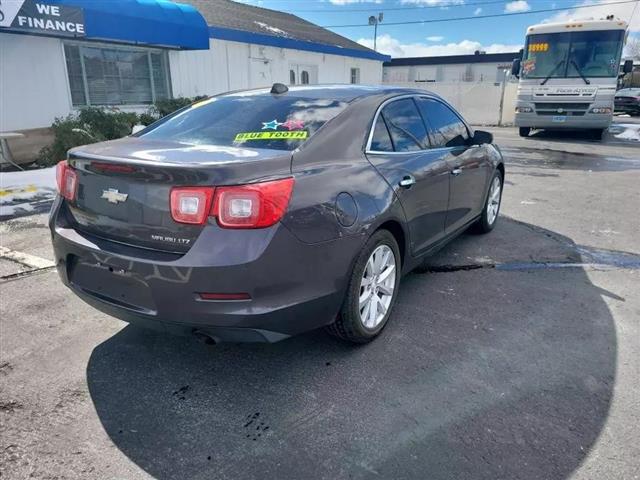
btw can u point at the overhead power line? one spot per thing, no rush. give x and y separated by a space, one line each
479 17
392 9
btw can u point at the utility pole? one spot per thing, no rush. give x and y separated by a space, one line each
373 20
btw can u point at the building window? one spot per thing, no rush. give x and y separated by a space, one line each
355 75
116 76
292 77
304 77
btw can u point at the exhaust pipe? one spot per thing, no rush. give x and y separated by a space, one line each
205 337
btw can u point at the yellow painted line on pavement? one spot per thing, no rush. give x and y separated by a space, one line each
12 191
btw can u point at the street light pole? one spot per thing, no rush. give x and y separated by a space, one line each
373 20
375 37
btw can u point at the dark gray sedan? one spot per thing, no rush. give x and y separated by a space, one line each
257 215
627 101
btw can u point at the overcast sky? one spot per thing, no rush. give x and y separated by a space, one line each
499 34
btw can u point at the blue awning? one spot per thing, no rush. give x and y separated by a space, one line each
147 22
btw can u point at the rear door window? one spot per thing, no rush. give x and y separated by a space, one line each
405 124
381 140
252 120
446 129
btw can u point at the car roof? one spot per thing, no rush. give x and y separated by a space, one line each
343 92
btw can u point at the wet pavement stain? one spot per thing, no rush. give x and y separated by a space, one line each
547 158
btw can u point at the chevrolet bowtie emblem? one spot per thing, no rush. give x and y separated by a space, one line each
114 196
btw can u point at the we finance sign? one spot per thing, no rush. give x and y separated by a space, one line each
41 17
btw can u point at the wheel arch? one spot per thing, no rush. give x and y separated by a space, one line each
396 229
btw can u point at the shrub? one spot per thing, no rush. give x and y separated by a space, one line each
89 125
162 108
92 124
147 119
107 124
68 132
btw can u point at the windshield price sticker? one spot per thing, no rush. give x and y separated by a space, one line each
538 47
292 135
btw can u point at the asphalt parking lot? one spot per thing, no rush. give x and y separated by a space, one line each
514 355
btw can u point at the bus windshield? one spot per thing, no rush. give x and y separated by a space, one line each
573 55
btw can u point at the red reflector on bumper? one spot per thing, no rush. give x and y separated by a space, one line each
224 296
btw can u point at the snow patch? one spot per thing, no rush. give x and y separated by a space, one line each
26 191
271 29
627 131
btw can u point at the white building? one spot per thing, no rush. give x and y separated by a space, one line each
477 68
60 55
258 47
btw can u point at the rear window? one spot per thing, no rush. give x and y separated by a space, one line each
260 121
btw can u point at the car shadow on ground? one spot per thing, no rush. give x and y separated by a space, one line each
482 374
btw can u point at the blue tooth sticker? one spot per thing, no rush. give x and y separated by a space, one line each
273 125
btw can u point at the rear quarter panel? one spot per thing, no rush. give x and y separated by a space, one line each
332 163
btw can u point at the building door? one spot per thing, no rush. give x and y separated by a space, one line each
303 74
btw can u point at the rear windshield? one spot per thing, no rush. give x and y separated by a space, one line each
260 121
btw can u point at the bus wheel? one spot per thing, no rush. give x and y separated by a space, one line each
524 131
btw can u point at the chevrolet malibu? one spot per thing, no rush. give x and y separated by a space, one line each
261 214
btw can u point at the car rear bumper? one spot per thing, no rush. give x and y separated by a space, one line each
293 286
627 109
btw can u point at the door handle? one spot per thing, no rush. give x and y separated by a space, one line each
407 181
456 171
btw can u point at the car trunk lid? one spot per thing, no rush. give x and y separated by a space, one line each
124 186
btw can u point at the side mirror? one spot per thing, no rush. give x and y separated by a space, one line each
515 67
628 66
480 137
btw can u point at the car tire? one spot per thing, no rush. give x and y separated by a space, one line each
491 210
524 131
598 133
350 325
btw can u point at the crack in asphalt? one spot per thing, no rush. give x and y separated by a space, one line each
520 266
26 273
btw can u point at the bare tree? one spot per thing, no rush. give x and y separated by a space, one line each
632 49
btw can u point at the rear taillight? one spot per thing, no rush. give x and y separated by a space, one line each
67 180
191 204
257 205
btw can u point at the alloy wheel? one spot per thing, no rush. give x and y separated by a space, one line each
376 286
493 202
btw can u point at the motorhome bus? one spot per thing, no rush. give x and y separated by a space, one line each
568 75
